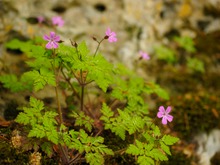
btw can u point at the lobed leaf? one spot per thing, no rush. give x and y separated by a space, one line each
169 140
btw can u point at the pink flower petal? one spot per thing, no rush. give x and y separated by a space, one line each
57 38
168 109
111 35
161 109
164 120
57 20
164 114
52 35
49 45
40 19
169 118
46 37
53 40
108 32
112 39
160 115
55 45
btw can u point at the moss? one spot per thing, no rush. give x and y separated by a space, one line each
118 146
11 156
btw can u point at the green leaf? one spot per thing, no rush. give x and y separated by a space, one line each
84 138
47 147
24 46
157 155
156 131
104 150
148 147
53 136
165 148
100 70
68 54
169 140
119 130
38 105
164 53
145 160
22 118
195 65
36 51
186 43
106 111
11 82
94 158
31 115
37 131
82 120
83 49
133 150
41 78
39 63
154 88
148 137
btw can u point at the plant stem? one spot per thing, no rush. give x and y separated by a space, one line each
99 42
63 149
71 86
82 90
56 89
58 105
64 153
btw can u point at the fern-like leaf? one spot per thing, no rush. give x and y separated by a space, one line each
169 140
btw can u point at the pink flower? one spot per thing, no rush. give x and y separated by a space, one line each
164 114
53 40
40 19
57 20
111 36
144 55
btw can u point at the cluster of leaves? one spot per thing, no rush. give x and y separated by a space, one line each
93 147
152 146
186 44
79 67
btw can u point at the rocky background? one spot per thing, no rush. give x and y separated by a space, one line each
139 24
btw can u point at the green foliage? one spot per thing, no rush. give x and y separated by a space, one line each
47 148
93 147
39 58
83 120
112 123
154 88
195 64
125 88
148 151
75 67
186 43
41 78
98 68
42 123
122 122
11 82
187 46
24 46
164 53
169 140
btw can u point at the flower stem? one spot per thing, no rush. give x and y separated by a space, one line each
58 104
71 86
56 73
99 42
82 90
